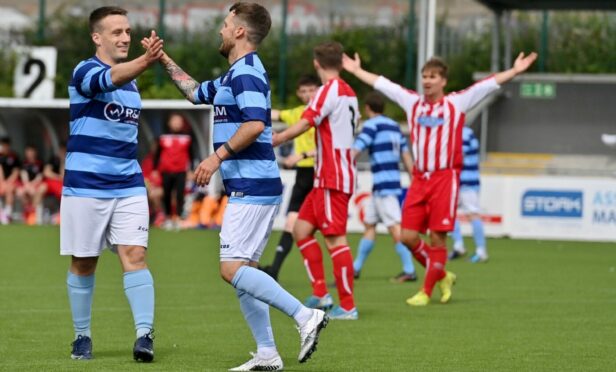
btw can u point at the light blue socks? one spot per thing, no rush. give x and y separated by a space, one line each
363 251
80 292
479 237
261 286
139 289
257 316
456 235
406 258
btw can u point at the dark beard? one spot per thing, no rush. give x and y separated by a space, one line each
224 50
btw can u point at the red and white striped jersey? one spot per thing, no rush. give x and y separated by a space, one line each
334 112
435 129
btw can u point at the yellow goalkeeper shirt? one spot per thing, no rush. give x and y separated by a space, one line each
305 141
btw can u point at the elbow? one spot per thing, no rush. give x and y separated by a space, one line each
258 128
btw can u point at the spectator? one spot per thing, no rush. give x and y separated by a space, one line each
53 174
32 188
9 178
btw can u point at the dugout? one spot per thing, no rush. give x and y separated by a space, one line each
44 124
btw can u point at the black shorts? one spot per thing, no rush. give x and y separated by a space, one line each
304 179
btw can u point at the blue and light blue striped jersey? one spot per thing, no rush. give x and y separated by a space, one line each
101 153
240 95
383 139
469 177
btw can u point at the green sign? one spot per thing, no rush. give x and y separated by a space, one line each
538 90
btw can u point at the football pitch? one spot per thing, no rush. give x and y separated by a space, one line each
537 305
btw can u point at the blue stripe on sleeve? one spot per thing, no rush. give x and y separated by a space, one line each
102 146
256 114
200 96
368 132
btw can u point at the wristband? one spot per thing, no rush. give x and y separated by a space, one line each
304 155
218 156
229 149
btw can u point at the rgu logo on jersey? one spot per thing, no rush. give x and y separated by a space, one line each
115 111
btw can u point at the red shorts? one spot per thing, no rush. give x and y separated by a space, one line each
327 210
431 201
54 187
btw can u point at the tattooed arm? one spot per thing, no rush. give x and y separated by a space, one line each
184 82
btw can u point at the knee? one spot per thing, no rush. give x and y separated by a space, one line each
227 273
299 233
83 266
134 258
438 238
409 238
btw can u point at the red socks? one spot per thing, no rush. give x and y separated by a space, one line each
420 252
313 260
435 271
343 272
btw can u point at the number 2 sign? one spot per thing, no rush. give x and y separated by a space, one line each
35 72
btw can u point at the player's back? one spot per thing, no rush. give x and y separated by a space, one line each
385 145
335 112
469 176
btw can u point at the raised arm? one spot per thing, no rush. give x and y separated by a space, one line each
521 64
401 96
353 65
123 73
184 82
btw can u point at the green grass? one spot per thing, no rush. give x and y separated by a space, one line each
535 306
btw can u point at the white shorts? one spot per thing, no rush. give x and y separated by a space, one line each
469 200
385 209
245 231
89 225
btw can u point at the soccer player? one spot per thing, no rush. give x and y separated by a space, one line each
243 151
435 125
303 160
32 188
382 138
104 202
469 200
9 179
334 112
